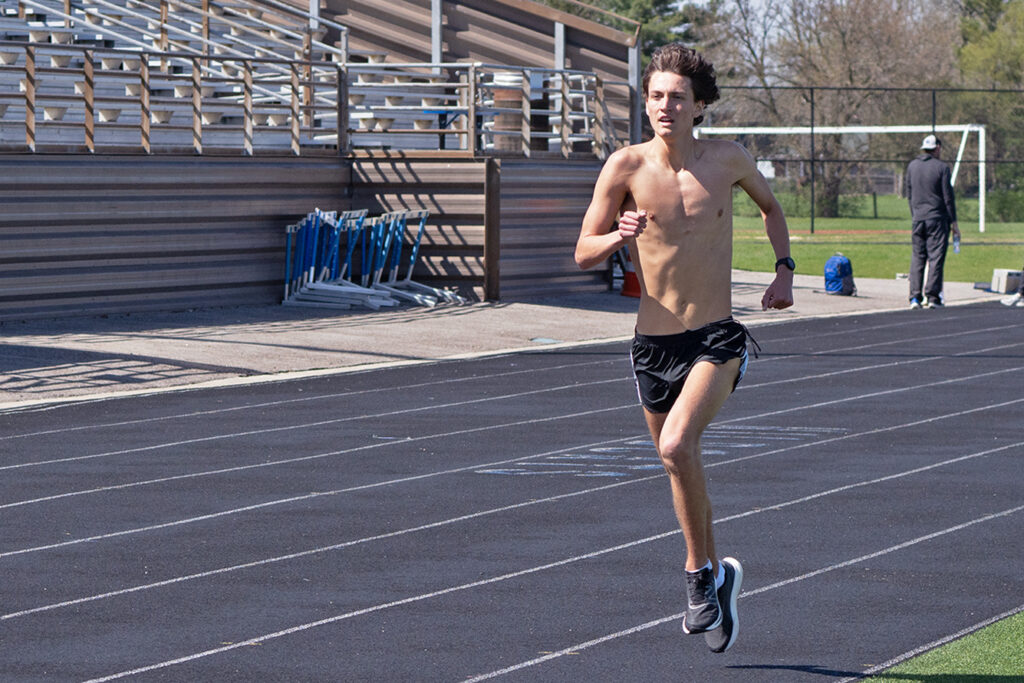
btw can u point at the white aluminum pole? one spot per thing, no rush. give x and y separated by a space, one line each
829 130
436 35
959 157
636 117
559 62
981 179
943 128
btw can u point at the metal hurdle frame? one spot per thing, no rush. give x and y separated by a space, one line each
315 272
355 230
376 248
317 275
406 286
297 236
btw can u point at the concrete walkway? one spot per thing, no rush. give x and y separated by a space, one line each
43 361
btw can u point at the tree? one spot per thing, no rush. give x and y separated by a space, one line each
662 21
866 44
993 57
665 21
979 17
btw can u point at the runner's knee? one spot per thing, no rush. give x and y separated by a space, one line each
678 452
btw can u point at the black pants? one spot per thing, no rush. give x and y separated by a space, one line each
928 243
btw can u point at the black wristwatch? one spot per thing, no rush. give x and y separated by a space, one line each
788 262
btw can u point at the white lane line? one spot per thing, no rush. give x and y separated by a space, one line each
253 380
321 494
282 501
196 475
56 403
886 392
745 594
304 399
330 548
533 570
307 458
377 608
910 654
877 366
267 404
484 513
501 509
870 482
60 402
913 341
250 433
902 324
308 425
854 435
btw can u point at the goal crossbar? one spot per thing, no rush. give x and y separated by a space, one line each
964 128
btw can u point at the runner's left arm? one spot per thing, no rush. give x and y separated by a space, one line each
780 292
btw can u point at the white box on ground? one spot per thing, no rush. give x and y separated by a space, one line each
1005 281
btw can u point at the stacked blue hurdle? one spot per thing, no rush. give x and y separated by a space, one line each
322 267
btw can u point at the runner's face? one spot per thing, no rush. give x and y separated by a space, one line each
671 107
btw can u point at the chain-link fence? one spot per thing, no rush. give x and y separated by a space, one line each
843 152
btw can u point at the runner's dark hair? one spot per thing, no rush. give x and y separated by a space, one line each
678 59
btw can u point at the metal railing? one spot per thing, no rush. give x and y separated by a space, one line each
161 24
480 108
96 99
67 97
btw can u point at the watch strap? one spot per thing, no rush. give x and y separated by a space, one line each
786 261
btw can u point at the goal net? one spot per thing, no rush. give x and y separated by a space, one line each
965 129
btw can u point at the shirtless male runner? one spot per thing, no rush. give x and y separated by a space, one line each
672 197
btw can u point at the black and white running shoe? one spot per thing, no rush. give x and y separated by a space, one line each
722 638
702 611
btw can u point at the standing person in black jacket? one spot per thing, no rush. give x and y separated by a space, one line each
933 211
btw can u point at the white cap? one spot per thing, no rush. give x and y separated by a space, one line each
931 142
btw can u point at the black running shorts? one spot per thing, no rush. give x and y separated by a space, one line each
662 362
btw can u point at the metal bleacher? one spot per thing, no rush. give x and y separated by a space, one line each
155 149
257 75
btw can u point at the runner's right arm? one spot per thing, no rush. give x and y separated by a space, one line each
597 240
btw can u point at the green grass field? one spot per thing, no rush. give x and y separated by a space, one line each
877 247
991 655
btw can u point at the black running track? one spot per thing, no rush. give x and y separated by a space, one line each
506 517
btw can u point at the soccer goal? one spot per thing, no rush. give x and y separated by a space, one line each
965 129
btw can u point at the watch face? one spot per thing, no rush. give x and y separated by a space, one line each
788 262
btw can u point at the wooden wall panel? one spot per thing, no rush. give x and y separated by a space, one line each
399 27
123 234
542 209
452 189
489 33
84 234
